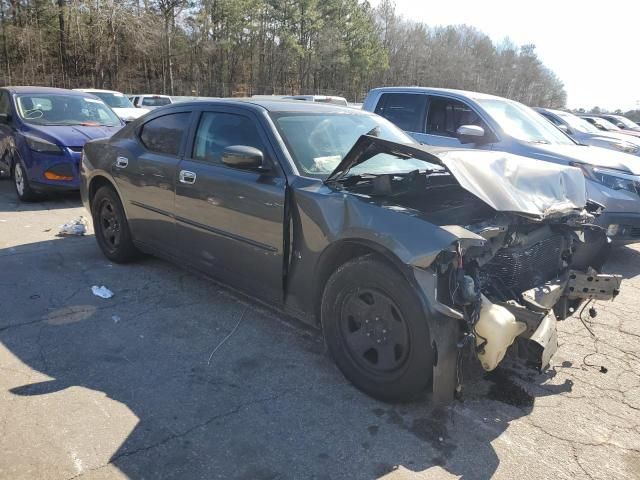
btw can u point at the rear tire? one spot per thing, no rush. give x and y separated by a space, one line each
376 330
21 183
111 227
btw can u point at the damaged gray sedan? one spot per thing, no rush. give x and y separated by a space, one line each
408 257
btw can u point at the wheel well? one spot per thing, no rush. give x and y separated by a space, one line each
96 183
339 254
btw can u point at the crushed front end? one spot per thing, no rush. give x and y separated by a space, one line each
520 280
522 248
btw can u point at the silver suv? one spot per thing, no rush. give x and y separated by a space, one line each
445 117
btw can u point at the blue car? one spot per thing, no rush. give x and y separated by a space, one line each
42 133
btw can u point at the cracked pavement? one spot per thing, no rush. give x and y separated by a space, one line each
122 388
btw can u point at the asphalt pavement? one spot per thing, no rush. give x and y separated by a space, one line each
144 385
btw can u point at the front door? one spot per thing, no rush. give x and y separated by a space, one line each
444 117
230 221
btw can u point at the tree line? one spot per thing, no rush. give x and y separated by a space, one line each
246 47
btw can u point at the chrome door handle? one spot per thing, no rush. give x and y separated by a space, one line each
122 162
187 177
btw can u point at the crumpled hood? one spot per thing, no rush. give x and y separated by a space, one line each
596 156
130 113
512 183
505 182
72 135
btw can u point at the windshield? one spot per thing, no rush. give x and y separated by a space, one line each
606 124
155 101
523 123
626 122
57 109
577 123
114 99
318 142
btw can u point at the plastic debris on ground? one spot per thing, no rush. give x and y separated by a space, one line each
102 292
115 318
74 227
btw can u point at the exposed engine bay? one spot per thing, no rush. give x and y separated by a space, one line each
527 251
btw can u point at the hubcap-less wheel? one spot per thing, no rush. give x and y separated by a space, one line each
374 331
109 224
18 176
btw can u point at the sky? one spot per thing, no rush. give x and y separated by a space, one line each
592 46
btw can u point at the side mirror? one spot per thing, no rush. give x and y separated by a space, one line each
470 133
244 158
621 125
564 128
5 117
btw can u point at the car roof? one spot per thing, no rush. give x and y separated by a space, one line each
150 95
43 90
556 111
91 90
451 91
272 105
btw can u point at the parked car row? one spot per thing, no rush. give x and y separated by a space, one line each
586 133
409 257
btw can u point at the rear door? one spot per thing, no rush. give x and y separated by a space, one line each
145 170
230 221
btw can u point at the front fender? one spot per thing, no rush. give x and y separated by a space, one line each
323 220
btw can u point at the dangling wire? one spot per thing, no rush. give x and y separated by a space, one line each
582 319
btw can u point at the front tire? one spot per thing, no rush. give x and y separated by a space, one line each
376 330
21 183
111 227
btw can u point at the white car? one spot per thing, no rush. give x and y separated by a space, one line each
151 101
319 98
118 102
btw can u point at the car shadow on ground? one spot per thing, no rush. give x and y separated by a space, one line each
626 260
268 403
9 201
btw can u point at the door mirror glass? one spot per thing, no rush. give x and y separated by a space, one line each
244 157
621 125
470 133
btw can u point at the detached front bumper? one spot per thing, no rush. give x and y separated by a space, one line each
539 341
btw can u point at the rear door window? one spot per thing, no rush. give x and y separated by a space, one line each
406 110
446 115
165 134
